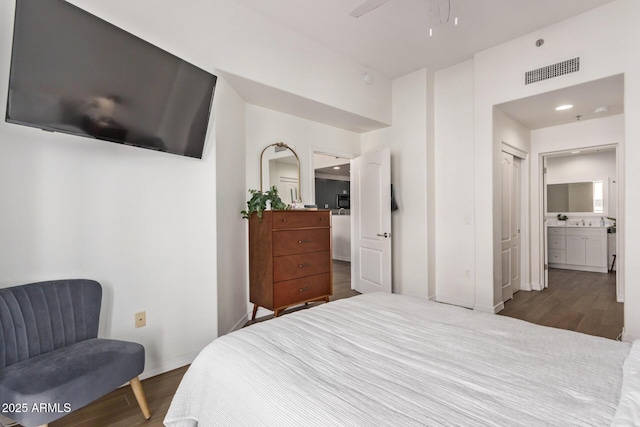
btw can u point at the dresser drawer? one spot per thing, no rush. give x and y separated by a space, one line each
300 265
557 242
300 290
290 242
293 219
557 256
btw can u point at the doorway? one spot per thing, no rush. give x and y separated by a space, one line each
592 119
331 190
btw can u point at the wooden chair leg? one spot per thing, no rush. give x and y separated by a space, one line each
255 310
142 400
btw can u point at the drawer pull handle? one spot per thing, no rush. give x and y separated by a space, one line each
304 265
305 289
284 219
304 241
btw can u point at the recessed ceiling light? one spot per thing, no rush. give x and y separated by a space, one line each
602 109
564 107
336 167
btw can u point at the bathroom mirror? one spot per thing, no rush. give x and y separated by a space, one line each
576 197
280 166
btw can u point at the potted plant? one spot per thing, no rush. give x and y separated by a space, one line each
562 218
261 201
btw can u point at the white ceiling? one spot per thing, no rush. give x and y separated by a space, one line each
539 111
393 39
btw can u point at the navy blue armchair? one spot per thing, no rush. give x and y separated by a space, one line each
51 361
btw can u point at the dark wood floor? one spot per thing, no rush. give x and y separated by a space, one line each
575 300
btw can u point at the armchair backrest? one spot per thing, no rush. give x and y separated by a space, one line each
41 317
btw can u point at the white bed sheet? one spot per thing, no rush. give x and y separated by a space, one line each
380 359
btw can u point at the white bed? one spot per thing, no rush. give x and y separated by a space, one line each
380 359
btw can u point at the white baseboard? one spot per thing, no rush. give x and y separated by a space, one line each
453 301
537 286
489 309
169 365
342 258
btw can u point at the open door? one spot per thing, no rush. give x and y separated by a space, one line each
371 222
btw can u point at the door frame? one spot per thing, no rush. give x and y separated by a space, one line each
326 152
620 214
312 174
525 283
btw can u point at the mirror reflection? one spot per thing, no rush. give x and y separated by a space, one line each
584 197
280 166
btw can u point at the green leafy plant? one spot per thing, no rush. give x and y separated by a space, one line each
562 217
258 202
612 227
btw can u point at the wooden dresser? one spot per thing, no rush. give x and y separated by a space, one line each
289 259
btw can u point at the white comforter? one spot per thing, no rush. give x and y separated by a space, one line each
390 360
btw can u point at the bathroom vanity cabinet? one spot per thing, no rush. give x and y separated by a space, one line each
578 248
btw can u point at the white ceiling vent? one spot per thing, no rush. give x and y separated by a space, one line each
550 71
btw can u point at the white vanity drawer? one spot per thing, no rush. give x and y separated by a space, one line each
555 231
556 242
557 256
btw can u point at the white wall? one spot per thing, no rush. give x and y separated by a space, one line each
511 132
145 223
596 37
589 133
407 139
230 200
454 196
583 167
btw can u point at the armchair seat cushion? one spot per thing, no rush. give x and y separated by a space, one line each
68 378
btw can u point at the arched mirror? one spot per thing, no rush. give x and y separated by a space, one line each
280 166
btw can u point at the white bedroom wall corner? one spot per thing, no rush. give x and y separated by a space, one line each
230 199
631 228
431 188
454 195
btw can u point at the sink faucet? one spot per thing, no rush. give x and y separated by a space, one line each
342 211
583 222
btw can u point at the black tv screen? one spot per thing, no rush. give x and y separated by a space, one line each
75 73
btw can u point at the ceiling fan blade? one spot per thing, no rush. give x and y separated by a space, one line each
367 7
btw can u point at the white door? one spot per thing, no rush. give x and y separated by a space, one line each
371 222
516 248
510 225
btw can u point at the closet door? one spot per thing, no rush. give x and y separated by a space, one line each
510 225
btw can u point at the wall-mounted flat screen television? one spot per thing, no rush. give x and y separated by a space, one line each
75 73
